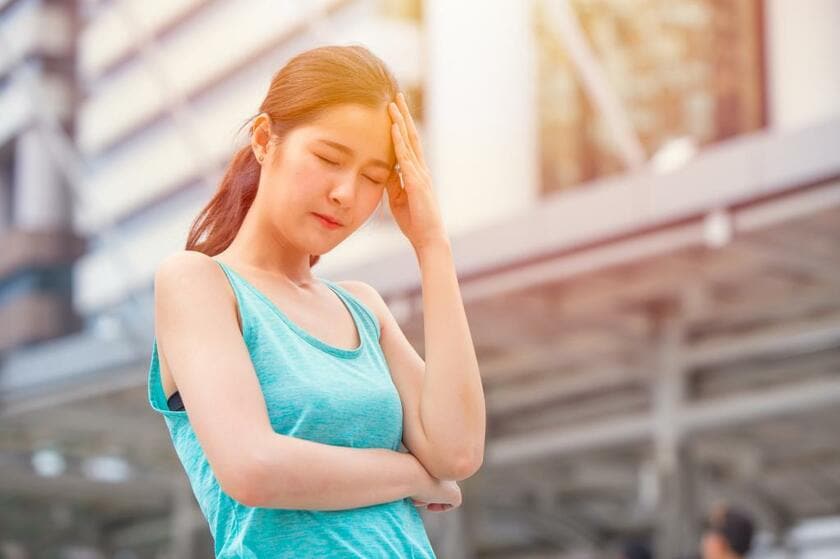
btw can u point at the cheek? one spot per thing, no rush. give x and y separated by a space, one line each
310 167
377 197
286 199
303 183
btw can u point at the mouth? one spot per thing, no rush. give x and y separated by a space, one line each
329 222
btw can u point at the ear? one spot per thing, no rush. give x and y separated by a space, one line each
260 135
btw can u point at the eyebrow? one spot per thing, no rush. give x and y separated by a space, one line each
345 149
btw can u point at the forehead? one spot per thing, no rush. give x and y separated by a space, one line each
366 131
352 115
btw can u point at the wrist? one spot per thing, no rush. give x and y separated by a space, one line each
438 244
421 480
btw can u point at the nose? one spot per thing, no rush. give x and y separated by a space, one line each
344 191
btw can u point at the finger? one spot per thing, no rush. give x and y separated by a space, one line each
394 189
399 120
404 156
413 135
439 507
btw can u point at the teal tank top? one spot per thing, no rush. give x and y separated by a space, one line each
313 391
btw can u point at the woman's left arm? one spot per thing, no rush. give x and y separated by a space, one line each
444 399
452 408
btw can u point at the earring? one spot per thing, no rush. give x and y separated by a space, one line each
260 158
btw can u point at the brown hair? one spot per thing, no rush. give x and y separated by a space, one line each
308 84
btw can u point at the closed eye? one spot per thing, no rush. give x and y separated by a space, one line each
330 162
325 159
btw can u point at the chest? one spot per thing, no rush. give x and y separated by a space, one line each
315 395
322 315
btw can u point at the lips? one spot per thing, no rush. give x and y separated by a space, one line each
328 218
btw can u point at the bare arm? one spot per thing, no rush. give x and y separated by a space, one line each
196 325
302 474
452 404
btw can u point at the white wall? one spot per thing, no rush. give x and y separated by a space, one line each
481 109
803 70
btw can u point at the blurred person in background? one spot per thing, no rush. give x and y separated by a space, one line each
635 550
291 442
728 534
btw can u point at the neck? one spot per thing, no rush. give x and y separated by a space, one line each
258 246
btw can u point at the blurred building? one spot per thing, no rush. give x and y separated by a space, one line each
38 245
644 203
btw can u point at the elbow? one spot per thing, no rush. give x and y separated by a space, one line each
468 467
245 485
244 495
470 461
459 469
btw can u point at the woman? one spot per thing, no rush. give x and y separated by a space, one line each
287 395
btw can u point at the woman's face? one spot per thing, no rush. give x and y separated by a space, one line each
336 166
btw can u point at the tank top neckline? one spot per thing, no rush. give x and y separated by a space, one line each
346 353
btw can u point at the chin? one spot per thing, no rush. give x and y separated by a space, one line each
321 249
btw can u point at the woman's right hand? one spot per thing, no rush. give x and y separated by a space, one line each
438 495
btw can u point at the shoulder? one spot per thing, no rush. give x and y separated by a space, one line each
193 281
189 269
368 295
183 261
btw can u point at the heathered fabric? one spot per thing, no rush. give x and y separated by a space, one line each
313 391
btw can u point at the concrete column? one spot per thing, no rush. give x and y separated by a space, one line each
41 199
803 75
39 230
6 181
676 532
480 109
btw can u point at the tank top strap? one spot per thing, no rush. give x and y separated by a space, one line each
239 289
369 318
243 295
251 302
